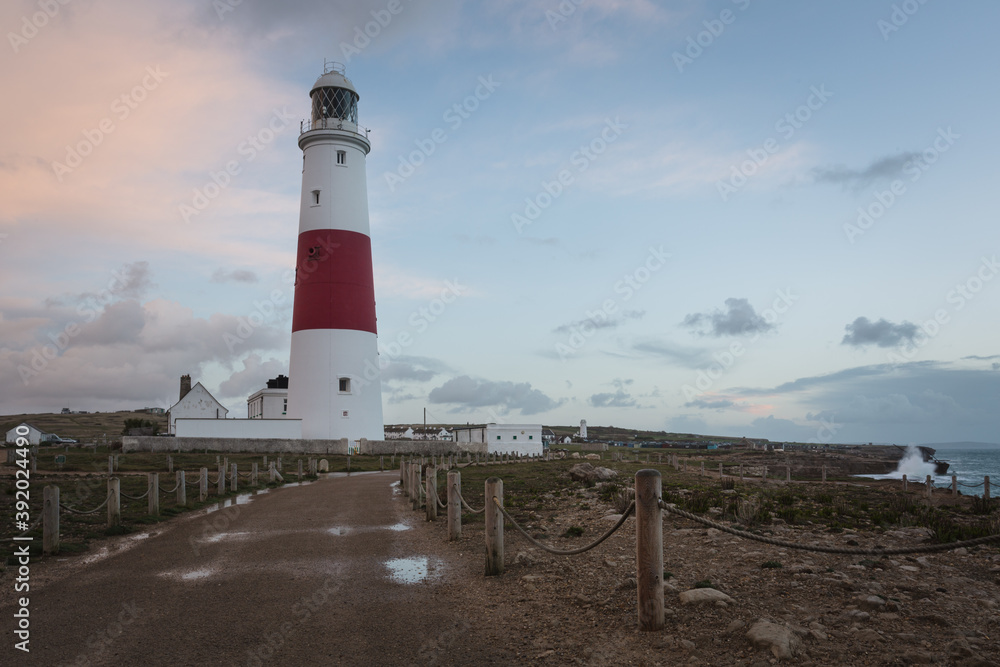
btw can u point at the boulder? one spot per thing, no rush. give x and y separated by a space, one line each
702 595
586 472
593 457
780 640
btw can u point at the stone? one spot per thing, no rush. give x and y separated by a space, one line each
702 595
324 465
913 657
873 603
735 626
593 457
781 641
585 472
524 558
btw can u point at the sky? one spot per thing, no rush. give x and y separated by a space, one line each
726 217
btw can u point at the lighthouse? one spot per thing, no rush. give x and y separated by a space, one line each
334 339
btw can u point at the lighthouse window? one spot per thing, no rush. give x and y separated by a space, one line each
341 157
315 194
345 385
334 103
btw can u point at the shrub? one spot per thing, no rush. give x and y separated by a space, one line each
771 565
573 531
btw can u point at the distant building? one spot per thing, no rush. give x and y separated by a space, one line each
195 403
270 402
152 411
583 429
548 436
405 432
503 438
34 435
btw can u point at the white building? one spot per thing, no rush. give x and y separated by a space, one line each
503 438
197 403
271 402
583 429
242 429
24 430
404 432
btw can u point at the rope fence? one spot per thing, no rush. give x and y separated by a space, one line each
648 509
93 511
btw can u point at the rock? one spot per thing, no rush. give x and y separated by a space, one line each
873 603
524 558
918 658
781 641
575 455
688 645
627 584
934 619
604 474
735 626
593 457
324 465
961 551
857 614
700 595
582 472
612 517
868 636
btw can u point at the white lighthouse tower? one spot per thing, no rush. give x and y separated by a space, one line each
333 322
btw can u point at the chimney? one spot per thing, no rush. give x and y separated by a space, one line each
185 385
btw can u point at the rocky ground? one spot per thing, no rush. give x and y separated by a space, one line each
766 604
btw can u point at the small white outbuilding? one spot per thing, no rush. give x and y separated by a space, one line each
197 403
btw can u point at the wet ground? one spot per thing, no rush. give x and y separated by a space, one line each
324 573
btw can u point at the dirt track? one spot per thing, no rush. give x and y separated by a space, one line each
295 577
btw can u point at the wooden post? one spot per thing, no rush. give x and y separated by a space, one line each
954 485
265 460
271 472
763 478
741 472
111 465
203 485
788 474
904 483
234 478
300 470
181 489
115 502
381 463
170 463
50 520
222 481
824 474
454 506
153 486
278 467
721 474
702 473
431 502
986 488
649 549
929 487
225 466
494 527
254 473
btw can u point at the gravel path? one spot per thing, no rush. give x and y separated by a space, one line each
296 576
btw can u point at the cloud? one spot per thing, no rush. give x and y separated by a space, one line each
466 392
706 404
923 406
619 399
739 319
131 281
880 170
688 357
413 369
604 321
254 376
883 333
235 276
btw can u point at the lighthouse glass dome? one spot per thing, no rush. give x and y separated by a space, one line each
338 103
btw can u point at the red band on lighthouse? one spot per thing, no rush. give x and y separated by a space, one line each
334 288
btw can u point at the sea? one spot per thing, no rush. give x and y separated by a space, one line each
970 462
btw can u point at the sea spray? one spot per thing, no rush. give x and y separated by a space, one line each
913 466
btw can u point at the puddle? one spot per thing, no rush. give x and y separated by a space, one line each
124 545
397 488
411 570
398 527
352 474
196 574
338 531
218 537
241 499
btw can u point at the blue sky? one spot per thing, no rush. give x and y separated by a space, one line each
722 217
